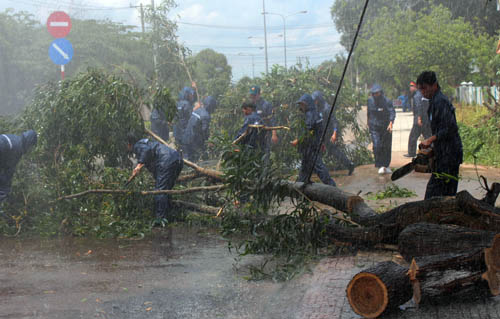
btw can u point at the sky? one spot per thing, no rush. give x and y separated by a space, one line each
232 27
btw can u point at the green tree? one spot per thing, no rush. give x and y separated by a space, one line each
346 13
211 72
401 44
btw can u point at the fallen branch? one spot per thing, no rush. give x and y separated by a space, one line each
145 193
187 177
204 171
268 128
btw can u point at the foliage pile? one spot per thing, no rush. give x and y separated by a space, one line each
283 88
82 125
260 225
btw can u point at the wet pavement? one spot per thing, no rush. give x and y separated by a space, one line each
181 273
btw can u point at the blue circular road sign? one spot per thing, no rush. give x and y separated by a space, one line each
61 51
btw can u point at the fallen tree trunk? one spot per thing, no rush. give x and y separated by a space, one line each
424 239
463 210
466 273
145 193
362 236
332 196
379 289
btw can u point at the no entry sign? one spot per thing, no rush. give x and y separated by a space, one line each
59 24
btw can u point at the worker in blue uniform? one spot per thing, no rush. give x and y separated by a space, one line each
421 124
381 116
266 113
184 110
332 131
164 163
12 148
196 132
309 142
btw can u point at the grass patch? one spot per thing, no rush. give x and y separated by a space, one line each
391 191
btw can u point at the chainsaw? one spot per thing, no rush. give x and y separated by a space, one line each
422 163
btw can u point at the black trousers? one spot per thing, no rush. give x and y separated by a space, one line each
415 133
440 184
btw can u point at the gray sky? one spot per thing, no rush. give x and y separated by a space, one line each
223 25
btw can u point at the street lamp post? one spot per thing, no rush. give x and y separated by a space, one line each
284 27
265 31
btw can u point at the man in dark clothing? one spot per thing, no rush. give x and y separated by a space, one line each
253 138
184 110
196 132
421 124
445 139
309 142
159 124
381 116
12 148
164 163
324 110
266 113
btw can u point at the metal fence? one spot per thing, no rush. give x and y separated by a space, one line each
476 95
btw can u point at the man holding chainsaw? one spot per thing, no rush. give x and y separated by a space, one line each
445 139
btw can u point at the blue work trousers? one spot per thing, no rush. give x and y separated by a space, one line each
318 167
166 175
382 146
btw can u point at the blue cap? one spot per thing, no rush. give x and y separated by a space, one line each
376 88
254 90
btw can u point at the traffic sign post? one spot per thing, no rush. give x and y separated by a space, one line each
59 24
60 50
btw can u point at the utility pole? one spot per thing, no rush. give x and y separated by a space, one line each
155 46
142 16
284 26
265 32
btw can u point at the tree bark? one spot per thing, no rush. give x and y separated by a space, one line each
349 203
466 273
379 289
424 239
367 237
463 210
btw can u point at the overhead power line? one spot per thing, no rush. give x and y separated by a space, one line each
255 28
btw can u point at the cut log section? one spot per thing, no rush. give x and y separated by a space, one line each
378 289
424 239
332 196
444 275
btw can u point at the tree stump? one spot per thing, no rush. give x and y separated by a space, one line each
378 289
424 239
